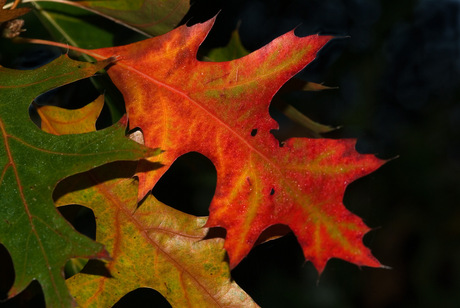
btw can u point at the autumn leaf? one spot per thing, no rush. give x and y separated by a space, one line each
10 14
221 110
235 50
175 242
151 245
38 239
60 121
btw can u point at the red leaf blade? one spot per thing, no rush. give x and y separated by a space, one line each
221 110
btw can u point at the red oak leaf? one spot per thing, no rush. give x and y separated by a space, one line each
221 110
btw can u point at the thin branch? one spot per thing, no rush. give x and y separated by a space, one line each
61 45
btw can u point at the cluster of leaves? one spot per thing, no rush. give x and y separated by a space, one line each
175 104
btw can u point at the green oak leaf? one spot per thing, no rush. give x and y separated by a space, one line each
39 240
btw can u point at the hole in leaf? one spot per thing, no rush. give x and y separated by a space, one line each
143 297
272 192
254 132
188 185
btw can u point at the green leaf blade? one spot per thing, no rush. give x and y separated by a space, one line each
38 239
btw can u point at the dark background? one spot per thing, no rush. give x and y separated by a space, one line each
396 65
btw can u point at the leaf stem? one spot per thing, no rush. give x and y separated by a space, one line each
61 45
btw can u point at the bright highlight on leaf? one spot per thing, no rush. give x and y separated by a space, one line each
221 111
38 239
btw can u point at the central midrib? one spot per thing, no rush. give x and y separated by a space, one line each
186 96
197 104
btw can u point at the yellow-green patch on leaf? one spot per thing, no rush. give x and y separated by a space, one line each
151 246
60 121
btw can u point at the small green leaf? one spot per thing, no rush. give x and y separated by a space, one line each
233 50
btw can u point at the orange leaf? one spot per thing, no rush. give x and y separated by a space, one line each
152 246
221 111
60 121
